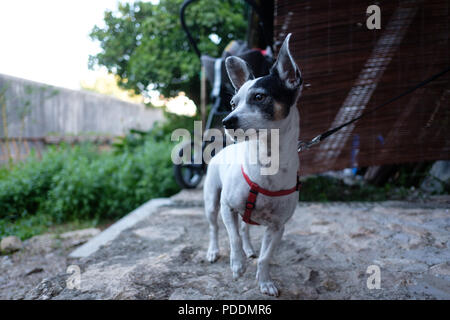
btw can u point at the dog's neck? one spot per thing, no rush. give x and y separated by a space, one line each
283 175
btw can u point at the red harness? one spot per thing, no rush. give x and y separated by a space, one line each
253 194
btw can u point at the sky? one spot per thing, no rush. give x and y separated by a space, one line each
48 40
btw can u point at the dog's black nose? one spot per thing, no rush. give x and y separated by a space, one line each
230 122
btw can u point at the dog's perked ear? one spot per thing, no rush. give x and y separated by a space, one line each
238 71
286 68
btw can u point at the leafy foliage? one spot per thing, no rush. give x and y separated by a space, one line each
161 131
80 183
323 189
144 44
26 226
24 188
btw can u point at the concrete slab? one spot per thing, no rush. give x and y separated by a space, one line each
113 231
325 253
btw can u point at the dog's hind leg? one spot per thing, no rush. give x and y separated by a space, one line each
211 197
246 243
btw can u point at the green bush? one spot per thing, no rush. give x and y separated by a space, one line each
25 227
111 185
24 188
322 188
80 183
161 132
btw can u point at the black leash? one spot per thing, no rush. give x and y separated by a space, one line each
306 145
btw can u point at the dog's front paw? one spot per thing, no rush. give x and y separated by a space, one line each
238 265
238 269
269 288
212 255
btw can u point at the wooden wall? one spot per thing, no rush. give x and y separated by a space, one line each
349 69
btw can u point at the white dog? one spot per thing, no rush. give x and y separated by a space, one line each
239 189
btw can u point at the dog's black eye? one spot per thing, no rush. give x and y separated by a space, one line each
259 97
233 105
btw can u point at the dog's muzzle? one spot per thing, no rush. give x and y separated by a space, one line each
230 122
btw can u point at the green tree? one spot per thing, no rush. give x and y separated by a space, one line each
144 44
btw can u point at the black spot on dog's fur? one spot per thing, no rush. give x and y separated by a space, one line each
276 93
